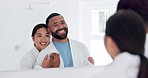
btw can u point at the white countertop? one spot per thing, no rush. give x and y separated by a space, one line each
79 72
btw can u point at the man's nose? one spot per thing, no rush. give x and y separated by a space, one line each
61 26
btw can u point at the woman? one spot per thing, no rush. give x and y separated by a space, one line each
124 41
41 39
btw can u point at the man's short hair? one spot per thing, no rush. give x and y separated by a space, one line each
50 16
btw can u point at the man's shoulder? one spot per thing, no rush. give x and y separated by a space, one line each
75 42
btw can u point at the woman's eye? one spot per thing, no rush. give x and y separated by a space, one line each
39 36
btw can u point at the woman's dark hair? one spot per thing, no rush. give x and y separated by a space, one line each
126 28
139 6
38 26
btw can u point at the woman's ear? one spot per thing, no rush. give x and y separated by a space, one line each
111 46
33 39
108 42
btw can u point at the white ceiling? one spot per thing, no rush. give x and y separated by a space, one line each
20 3
24 3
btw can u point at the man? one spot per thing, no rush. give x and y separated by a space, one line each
72 53
141 7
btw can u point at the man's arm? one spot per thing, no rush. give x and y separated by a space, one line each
91 60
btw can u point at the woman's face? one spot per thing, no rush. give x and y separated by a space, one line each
41 38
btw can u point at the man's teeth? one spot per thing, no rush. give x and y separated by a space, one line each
61 31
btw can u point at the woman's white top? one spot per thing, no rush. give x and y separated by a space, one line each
125 65
29 59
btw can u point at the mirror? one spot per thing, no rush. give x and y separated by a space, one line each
19 18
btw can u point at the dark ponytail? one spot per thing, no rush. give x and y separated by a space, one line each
143 71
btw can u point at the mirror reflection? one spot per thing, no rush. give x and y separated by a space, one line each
85 20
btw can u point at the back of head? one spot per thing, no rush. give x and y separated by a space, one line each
126 28
50 16
139 6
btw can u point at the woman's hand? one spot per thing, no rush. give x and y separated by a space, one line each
51 62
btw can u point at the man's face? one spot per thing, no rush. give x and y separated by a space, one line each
58 27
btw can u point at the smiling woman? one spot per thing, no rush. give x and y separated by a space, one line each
40 36
41 39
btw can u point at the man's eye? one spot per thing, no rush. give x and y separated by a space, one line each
63 23
55 25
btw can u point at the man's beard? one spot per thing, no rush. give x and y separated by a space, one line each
63 36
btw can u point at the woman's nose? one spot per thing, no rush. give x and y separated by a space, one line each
43 39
